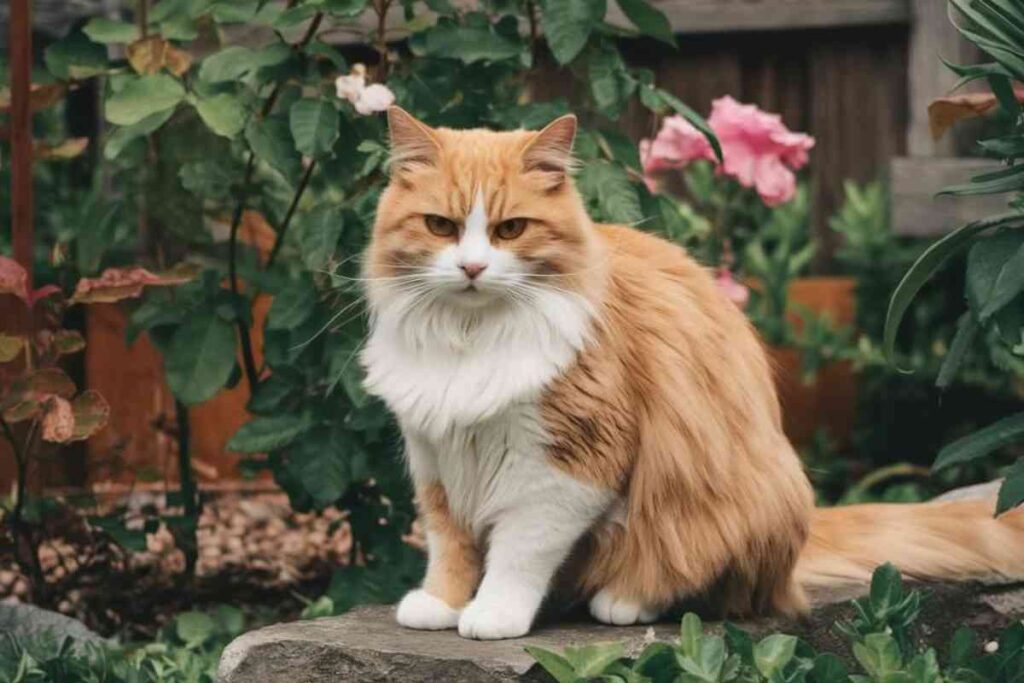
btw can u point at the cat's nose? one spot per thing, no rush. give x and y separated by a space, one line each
473 270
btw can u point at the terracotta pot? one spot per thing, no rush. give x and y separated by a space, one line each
828 402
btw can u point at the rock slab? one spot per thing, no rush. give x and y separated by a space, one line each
366 645
28 621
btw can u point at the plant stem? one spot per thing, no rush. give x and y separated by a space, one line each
381 7
25 551
190 500
303 182
245 341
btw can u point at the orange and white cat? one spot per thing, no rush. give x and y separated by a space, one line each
581 406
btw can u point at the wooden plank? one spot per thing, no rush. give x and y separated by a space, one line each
933 36
917 212
714 16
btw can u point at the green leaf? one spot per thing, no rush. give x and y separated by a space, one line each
1009 283
985 263
828 668
208 178
229 64
314 126
124 136
76 57
264 434
234 11
469 44
555 664
194 627
610 84
346 8
879 654
230 620
608 189
320 231
690 633
103 30
886 588
200 358
224 114
292 306
982 442
649 20
320 465
927 264
997 182
567 25
774 653
966 331
962 647
142 97
10 347
271 142
1011 493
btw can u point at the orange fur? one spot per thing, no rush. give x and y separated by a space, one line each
671 405
454 569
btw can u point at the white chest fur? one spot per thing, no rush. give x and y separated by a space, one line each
439 368
465 387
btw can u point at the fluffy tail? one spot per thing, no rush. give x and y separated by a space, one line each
956 540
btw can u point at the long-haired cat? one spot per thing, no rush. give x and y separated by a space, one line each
580 400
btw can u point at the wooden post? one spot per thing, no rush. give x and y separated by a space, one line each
20 54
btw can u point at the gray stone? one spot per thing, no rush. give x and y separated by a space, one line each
29 621
366 645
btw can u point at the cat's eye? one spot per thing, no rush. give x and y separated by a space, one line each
510 229
441 226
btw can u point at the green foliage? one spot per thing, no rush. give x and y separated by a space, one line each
187 650
994 287
879 639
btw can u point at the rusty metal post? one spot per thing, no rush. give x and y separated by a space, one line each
20 54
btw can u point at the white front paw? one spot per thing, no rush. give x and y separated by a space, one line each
421 610
493 620
609 609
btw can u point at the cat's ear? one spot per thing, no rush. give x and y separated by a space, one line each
551 150
412 142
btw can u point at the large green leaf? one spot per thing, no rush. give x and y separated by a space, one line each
568 24
320 231
608 189
469 43
264 434
997 182
319 462
271 142
1009 283
125 135
232 63
986 261
201 357
982 442
649 20
292 306
103 30
143 96
76 57
314 125
555 664
928 263
224 114
610 84
1011 493
966 331
773 654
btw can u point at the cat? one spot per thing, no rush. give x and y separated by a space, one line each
584 412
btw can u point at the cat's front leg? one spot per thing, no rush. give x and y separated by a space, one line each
527 544
453 567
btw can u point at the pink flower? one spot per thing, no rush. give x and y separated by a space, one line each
736 292
677 144
757 148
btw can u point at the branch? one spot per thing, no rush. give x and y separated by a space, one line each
303 182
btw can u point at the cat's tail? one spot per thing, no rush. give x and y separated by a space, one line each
955 540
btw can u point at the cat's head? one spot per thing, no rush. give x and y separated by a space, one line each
473 218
